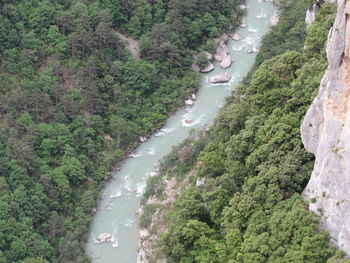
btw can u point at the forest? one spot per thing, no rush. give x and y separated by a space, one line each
74 101
239 183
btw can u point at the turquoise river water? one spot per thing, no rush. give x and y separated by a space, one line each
120 199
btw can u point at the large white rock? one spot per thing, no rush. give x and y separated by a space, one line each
326 133
104 237
275 18
226 62
311 14
220 78
218 57
143 139
221 51
236 37
189 102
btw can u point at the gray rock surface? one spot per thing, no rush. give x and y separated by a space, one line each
236 37
326 133
218 58
311 14
189 102
221 51
220 78
104 237
275 18
226 62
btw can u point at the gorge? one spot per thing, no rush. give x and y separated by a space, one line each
120 199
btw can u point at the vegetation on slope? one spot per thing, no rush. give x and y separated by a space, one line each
73 100
254 166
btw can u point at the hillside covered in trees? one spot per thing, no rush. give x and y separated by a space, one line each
239 183
73 101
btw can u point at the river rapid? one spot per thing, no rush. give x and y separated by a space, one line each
120 199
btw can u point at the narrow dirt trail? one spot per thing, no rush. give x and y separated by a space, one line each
132 44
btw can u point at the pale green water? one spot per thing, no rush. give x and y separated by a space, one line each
121 197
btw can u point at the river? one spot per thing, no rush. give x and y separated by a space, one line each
120 199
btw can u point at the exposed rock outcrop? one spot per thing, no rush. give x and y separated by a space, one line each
104 237
221 51
143 139
220 78
189 102
236 37
275 18
311 13
326 132
226 62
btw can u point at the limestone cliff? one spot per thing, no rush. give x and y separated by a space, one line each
326 134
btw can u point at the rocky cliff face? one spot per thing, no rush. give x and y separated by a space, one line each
326 134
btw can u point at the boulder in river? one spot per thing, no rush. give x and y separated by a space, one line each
193 96
236 37
220 78
143 139
218 58
208 68
221 50
104 237
226 62
188 121
243 6
189 102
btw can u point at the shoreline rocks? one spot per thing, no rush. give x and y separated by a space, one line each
220 78
143 139
243 6
236 37
275 18
189 102
226 62
218 58
208 68
221 51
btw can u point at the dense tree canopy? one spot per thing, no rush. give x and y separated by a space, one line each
73 101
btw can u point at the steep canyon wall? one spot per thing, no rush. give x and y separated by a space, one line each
326 133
